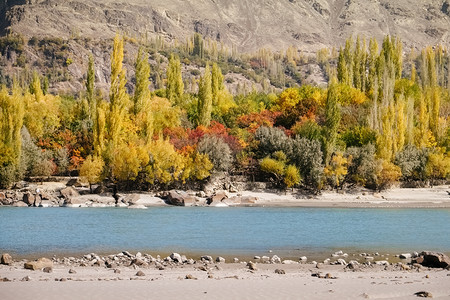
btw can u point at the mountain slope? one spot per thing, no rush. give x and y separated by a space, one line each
247 24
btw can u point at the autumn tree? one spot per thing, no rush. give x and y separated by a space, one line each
142 107
332 119
91 170
90 87
205 98
11 120
175 85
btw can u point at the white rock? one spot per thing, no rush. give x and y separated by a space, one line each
220 259
235 260
303 259
289 262
176 257
382 263
405 255
275 259
341 261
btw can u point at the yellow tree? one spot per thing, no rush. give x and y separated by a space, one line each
175 85
117 95
142 108
91 170
205 98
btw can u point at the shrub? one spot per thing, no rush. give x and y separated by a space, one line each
307 157
308 129
291 176
438 165
412 162
218 151
362 165
271 140
359 136
387 175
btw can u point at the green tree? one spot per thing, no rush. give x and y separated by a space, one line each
332 120
175 85
205 98
90 87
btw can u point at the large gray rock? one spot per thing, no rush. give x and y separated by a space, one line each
435 260
6 259
39 264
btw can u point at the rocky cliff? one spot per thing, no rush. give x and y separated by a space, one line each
247 24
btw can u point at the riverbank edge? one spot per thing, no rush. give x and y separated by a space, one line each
54 194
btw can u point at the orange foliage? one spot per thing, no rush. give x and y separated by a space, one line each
255 120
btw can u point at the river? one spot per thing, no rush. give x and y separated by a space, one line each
233 231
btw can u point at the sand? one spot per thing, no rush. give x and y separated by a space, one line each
436 197
230 281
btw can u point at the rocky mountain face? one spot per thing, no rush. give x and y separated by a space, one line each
247 24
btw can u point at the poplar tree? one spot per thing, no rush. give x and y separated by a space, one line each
332 119
90 87
117 95
216 83
205 98
142 108
175 85
142 73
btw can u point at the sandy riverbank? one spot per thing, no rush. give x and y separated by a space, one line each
224 281
436 197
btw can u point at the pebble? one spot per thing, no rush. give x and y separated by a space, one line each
72 271
140 273
189 276
280 271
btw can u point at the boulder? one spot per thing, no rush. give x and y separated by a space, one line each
180 198
220 259
39 264
303 259
74 182
20 204
252 266
148 200
176 257
46 203
405 256
140 274
28 198
275 259
132 198
435 260
206 258
68 193
216 198
6 259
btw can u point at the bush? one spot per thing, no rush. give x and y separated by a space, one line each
387 175
359 136
362 166
307 157
218 151
412 162
291 176
309 130
438 165
271 140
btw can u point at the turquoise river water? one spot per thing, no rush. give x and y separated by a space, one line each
233 231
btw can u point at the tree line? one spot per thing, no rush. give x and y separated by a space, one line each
383 118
